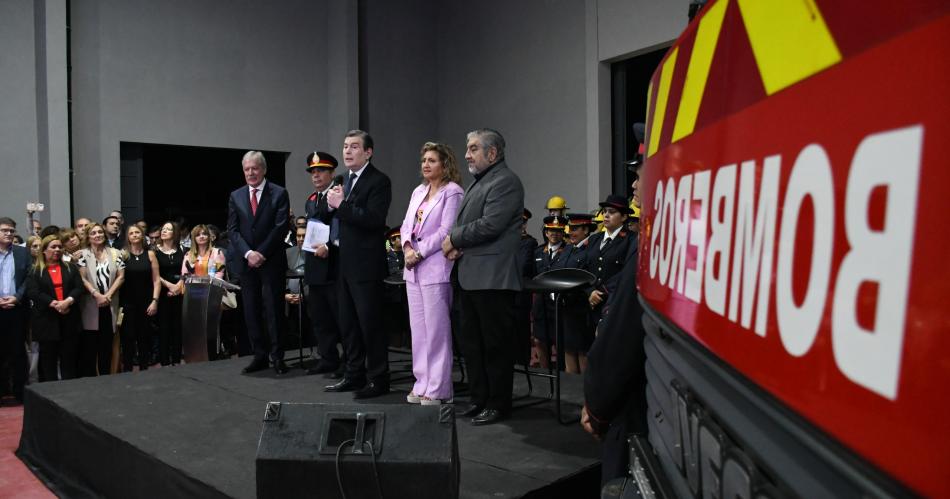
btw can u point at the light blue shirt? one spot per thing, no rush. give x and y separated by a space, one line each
7 273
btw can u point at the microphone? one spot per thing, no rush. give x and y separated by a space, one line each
337 180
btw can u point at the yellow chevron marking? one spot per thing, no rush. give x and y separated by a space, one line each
789 39
707 36
663 93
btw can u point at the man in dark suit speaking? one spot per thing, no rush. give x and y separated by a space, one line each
485 242
257 223
360 208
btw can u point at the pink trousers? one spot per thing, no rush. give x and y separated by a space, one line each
431 326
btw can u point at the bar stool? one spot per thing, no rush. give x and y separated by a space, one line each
558 282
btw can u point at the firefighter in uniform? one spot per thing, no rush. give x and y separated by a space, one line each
607 252
545 257
556 206
397 306
321 267
574 308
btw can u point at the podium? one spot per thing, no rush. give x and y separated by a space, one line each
558 282
201 316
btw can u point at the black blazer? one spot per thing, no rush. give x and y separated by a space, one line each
606 264
362 227
317 270
47 323
263 232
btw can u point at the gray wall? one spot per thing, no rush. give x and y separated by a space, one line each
518 67
238 74
284 75
33 139
401 79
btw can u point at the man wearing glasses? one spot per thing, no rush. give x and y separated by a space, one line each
14 265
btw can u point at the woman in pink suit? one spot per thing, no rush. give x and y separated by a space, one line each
431 214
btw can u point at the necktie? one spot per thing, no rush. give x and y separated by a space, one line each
348 185
605 242
254 201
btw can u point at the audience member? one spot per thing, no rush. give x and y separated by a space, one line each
14 305
54 287
33 244
72 245
198 260
170 260
430 216
113 228
139 299
103 272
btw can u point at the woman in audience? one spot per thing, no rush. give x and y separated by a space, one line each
72 245
201 253
139 299
170 258
103 272
33 243
55 287
431 214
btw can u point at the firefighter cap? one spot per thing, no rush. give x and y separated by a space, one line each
554 222
580 219
322 160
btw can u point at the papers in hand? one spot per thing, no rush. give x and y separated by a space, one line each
317 233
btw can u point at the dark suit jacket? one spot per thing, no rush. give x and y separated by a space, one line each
46 324
319 271
362 225
263 232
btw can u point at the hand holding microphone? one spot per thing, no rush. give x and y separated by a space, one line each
335 197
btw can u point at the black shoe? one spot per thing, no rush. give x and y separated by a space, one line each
280 367
345 385
487 416
323 368
254 366
471 410
372 390
334 375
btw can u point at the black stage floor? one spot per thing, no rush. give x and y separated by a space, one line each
193 430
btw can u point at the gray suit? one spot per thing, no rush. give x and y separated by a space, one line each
488 231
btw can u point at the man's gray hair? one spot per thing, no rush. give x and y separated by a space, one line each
489 138
257 157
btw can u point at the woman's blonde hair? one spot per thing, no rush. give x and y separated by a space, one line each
447 157
198 229
40 263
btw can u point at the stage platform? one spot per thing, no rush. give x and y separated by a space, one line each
193 431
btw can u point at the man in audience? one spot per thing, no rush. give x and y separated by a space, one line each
14 265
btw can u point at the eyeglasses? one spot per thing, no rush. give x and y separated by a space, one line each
7 231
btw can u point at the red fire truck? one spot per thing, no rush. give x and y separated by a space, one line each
792 264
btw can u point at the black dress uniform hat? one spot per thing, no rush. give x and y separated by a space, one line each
580 219
554 222
391 233
320 159
526 215
619 203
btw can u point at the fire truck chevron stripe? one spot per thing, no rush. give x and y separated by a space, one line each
707 36
662 94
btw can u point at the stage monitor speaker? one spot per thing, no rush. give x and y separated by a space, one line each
357 451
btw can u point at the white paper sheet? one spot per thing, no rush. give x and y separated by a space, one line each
317 233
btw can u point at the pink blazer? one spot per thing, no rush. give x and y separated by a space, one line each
437 221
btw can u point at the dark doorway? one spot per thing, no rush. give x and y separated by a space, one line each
192 183
630 80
